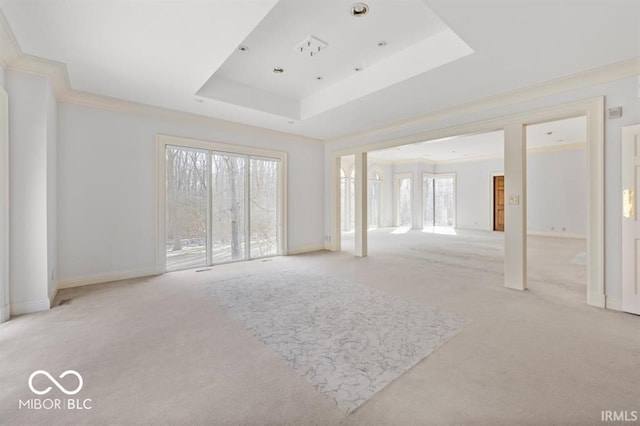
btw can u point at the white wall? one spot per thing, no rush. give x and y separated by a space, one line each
621 92
30 128
473 191
556 191
107 186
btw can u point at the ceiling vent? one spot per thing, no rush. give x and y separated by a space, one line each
311 46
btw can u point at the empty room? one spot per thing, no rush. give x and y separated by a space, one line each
299 212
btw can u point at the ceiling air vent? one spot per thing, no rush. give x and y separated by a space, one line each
311 46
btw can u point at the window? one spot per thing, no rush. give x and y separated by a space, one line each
404 216
220 206
438 200
374 198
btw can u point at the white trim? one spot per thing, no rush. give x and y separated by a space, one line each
613 303
611 72
161 143
5 313
306 249
21 308
79 281
557 235
593 108
5 228
54 293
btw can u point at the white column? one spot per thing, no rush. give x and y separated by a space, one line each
515 210
361 204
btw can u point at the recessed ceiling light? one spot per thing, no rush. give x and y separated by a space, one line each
382 43
359 9
278 70
356 69
243 48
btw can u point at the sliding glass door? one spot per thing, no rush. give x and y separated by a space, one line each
186 211
438 200
264 217
220 207
228 221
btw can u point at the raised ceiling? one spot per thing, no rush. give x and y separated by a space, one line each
554 134
163 53
307 57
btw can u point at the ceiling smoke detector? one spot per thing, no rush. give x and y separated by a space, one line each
359 9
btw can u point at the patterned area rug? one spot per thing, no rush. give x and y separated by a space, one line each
348 340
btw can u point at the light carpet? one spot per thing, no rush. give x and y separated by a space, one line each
348 340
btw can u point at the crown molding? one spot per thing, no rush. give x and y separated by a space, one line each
611 72
14 59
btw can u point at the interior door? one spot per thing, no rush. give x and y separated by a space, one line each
630 222
498 203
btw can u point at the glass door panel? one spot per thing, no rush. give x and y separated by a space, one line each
228 223
186 204
263 207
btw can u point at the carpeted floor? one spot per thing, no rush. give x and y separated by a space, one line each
348 340
159 351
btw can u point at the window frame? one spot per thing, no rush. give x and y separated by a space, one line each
162 141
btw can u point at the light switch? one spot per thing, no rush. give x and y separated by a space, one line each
514 200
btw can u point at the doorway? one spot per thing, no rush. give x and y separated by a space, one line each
498 203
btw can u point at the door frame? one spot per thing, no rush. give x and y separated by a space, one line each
5 305
627 258
492 210
593 108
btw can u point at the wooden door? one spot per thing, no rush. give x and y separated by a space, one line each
498 203
630 222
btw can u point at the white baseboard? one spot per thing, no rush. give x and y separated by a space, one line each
30 307
614 303
5 313
307 249
556 234
105 278
596 299
54 293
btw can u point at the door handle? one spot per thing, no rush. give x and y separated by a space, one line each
627 203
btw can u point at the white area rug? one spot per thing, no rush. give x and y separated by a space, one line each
348 340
